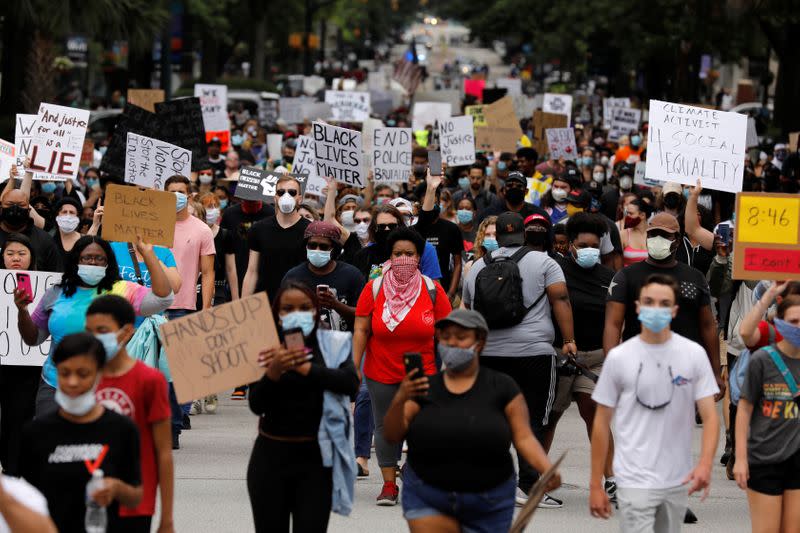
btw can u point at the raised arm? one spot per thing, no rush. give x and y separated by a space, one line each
693 228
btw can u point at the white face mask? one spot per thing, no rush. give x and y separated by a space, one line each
212 215
79 405
625 182
286 204
67 223
347 219
205 179
599 177
658 247
604 160
559 195
362 230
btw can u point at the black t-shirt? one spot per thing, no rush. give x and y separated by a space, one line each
697 257
224 245
280 249
218 168
445 237
368 256
53 451
499 207
588 288
454 430
48 256
345 280
239 223
693 295
351 247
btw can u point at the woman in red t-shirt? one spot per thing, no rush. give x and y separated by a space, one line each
395 314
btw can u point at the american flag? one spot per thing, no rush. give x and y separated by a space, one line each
407 74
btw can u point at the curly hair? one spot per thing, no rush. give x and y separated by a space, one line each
70 281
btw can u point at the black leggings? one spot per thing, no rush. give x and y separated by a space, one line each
287 478
18 388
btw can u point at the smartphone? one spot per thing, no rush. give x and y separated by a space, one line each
435 162
323 288
293 339
24 283
724 233
413 360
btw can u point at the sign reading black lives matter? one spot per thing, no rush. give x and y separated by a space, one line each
259 185
337 153
391 154
686 143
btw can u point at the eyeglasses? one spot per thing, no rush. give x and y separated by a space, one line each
281 192
655 407
386 227
93 260
319 246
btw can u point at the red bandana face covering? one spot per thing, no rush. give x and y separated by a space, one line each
404 268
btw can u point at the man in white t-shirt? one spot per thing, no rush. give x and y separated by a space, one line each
650 385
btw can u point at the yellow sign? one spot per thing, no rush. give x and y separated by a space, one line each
476 111
768 219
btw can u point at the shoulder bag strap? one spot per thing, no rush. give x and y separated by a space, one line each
431 286
783 369
135 261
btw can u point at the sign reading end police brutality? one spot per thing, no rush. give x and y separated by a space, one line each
457 141
150 162
686 143
337 153
13 350
391 154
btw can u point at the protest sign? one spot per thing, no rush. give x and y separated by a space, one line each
182 125
13 350
369 126
257 184
23 136
513 86
274 143
476 112
609 105
316 111
429 114
474 88
214 105
146 98
391 154
150 162
304 164
348 106
291 109
524 106
558 103
130 212
686 143
7 159
542 122
337 153
640 176
457 141
451 96
490 95
752 135
502 131
561 143
766 241
624 121
87 153
793 141
215 350
58 141
133 119
535 495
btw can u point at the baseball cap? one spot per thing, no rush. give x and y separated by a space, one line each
466 318
571 176
510 229
671 187
664 221
579 197
626 170
518 177
350 198
536 217
402 205
215 140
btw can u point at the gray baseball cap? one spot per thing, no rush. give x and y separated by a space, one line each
466 318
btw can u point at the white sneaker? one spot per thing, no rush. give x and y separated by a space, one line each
197 407
211 404
520 497
548 502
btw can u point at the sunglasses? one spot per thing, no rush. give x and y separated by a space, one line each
386 227
281 192
656 406
319 246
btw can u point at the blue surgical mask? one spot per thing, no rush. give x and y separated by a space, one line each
237 140
223 203
587 257
48 187
490 244
391 123
501 166
299 319
488 171
454 357
636 141
92 182
318 258
110 343
463 183
789 332
464 216
588 161
655 318
180 201
91 275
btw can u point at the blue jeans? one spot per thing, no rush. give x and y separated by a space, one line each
178 410
476 512
362 421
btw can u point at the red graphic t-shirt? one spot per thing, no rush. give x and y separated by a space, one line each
141 394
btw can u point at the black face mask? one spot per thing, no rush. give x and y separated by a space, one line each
537 239
671 201
15 216
419 171
515 196
288 158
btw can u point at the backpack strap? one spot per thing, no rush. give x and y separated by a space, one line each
377 283
771 330
516 256
135 261
783 369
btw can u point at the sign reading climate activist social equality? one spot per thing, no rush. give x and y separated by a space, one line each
214 104
561 143
337 153
348 106
766 243
150 162
686 143
457 141
391 154
130 212
216 350
57 141
13 350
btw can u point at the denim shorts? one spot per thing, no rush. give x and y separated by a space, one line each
477 512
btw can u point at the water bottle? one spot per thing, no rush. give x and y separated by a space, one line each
96 520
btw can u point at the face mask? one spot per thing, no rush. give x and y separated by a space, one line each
318 258
671 201
212 214
655 318
587 161
599 177
625 183
604 160
110 343
515 196
79 405
464 216
205 179
636 141
288 159
362 230
404 268
559 195
463 183
299 319
780 155
502 166
382 200
537 239
223 203
180 201
48 188
789 332
237 140
347 219
103 149
91 275
488 171
92 182
659 248
632 222
587 257
391 123
456 358
286 204
15 215
419 171
490 244
67 223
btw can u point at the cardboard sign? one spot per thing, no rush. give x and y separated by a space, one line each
609 105
182 125
640 176
625 120
558 103
391 154
476 112
686 143
131 212
561 143
13 350
513 86
274 144
150 162
337 153
304 164
214 105
58 141
429 114
457 141
291 109
146 98
348 106
766 244
502 131
541 123
534 497
793 137
474 88
87 153
257 184
217 349
7 159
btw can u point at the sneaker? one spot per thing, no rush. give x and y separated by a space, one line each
239 394
521 498
548 502
388 495
176 443
611 490
187 423
211 404
689 517
196 408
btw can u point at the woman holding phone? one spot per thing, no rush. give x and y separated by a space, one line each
287 475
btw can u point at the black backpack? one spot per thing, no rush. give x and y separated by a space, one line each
498 291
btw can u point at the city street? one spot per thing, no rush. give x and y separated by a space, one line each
211 490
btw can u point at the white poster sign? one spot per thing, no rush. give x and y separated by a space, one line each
391 154
513 86
274 143
337 153
624 121
23 141
304 164
348 106
561 142
13 350
291 109
457 141
214 103
367 128
640 176
150 162
609 105
58 141
429 113
558 103
752 134
7 159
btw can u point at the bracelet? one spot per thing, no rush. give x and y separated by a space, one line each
571 341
